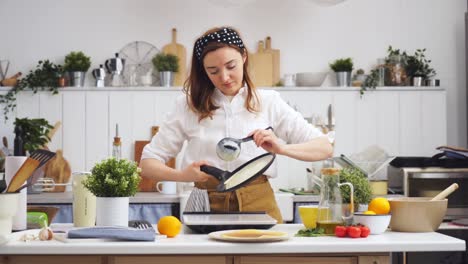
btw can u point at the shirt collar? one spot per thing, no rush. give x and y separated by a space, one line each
218 96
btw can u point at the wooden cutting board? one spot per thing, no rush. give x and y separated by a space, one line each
58 169
275 58
179 51
148 185
261 66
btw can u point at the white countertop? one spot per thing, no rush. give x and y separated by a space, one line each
200 244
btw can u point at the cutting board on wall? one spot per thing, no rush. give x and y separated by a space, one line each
148 185
275 59
179 51
261 66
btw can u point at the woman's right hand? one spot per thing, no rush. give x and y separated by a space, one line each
194 174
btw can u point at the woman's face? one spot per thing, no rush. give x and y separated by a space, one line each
224 67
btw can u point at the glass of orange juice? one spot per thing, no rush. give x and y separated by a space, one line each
308 214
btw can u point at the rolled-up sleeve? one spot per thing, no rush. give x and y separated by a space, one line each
290 125
170 138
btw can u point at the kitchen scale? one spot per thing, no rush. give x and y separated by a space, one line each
207 222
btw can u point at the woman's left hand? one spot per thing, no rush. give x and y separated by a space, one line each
267 140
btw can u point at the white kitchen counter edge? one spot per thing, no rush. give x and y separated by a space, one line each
200 244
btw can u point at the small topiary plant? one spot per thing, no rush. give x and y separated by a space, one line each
114 178
342 65
77 61
166 62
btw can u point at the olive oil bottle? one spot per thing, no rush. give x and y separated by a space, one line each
328 226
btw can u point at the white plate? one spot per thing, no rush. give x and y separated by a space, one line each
264 235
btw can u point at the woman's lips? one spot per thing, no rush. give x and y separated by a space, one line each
228 85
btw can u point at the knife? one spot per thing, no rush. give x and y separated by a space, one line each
331 118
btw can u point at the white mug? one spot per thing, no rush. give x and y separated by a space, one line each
289 80
166 187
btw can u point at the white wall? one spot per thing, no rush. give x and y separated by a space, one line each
308 35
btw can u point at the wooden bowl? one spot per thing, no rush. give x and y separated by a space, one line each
50 211
417 214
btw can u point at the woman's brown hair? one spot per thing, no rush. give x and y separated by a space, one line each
199 88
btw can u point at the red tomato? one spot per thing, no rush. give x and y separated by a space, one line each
340 231
365 231
354 232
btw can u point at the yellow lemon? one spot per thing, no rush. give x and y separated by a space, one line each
169 226
379 205
369 212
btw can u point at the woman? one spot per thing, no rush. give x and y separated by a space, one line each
221 101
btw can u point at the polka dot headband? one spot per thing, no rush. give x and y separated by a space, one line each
224 35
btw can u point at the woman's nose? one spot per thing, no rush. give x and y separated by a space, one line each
224 76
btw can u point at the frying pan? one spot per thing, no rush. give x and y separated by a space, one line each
247 172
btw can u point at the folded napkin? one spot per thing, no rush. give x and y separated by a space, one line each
119 233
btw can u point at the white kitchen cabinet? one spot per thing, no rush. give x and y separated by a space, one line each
405 121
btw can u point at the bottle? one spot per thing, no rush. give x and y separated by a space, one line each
117 145
18 148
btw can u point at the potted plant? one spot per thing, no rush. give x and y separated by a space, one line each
417 67
342 68
113 181
44 77
31 134
362 189
77 64
166 65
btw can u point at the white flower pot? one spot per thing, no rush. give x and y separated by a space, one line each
112 211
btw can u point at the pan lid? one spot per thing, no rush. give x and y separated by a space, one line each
249 171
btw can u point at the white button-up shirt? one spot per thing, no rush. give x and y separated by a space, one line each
231 120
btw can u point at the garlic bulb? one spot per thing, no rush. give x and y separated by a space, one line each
46 234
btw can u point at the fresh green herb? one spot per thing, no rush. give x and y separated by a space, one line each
310 232
166 62
362 189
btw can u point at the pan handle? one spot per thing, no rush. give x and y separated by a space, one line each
215 172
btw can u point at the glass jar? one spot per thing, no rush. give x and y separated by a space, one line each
396 74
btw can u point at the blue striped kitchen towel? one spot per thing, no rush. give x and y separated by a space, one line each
118 233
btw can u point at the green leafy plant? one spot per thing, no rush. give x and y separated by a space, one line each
362 189
310 232
166 62
44 77
418 66
114 178
371 81
35 132
342 65
77 61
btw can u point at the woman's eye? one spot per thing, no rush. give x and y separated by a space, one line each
230 67
213 73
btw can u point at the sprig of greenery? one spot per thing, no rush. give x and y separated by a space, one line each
310 232
342 65
114 178
166 62
371 81
35 132
44 77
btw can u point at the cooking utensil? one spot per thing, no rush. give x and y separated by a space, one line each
261 67
247 172
228 149
179 51
445 192
276 59
35 160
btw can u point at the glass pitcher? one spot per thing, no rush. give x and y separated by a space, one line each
331 211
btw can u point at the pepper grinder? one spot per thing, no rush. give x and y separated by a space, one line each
18 149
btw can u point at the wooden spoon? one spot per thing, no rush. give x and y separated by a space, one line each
445 192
